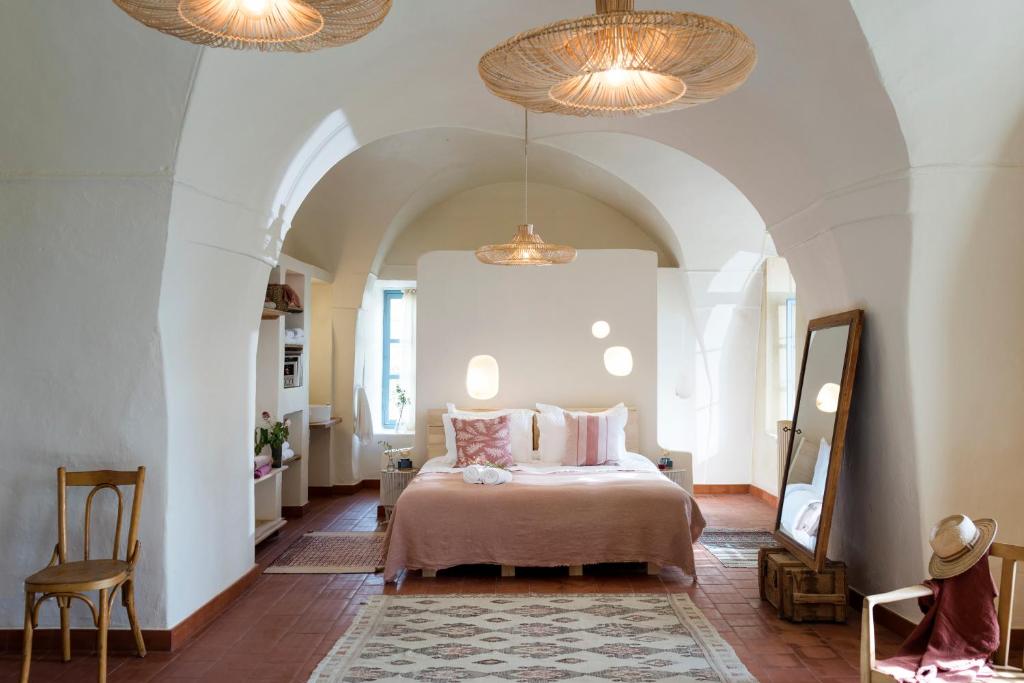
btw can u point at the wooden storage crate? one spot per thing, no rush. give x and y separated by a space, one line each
799 593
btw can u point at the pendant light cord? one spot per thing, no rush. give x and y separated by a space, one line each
526 166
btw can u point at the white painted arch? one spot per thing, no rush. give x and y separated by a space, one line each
127 154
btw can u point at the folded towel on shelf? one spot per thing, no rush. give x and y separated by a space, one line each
481 474
262 471
262 460
295 335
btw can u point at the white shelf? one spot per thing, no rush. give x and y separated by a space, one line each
270 477
265 527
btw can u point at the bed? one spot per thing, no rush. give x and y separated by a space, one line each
546 516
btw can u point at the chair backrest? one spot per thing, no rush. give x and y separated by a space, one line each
100 480
1010 555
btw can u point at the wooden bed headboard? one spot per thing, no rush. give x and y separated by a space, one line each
435 429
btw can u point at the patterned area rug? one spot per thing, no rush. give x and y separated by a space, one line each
550 637
332 552
736 548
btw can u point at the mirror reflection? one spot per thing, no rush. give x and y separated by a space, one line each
813 431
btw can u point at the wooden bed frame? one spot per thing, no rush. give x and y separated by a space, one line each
436 448
435 429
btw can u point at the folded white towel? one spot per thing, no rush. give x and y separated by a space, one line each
262 460
473 474
481 474
492 476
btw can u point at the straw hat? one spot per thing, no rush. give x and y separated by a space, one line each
958 543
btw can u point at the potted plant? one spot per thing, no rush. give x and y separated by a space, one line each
274 434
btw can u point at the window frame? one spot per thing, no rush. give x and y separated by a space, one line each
790 336
388 342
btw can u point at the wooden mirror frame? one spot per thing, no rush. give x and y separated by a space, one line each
855 320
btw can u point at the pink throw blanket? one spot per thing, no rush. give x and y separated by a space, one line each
958 634
543 520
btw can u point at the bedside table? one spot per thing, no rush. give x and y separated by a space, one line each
679 476
392 483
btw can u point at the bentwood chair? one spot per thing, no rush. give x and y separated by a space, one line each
1010 556
66 580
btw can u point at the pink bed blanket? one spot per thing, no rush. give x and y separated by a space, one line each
543 520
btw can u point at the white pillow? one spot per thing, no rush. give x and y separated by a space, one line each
551 423
521 427
821 467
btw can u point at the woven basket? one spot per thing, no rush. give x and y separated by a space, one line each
284 298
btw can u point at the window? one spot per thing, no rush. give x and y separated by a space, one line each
391 374
790 343
786 346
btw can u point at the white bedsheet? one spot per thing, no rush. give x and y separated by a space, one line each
632 462
801 512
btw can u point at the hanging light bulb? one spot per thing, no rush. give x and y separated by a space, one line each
526 247
254 8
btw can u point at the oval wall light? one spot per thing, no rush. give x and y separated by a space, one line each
482 377
618 361
601 329
828 398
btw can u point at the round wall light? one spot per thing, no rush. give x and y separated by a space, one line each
601 329
482 377
618 361
828 398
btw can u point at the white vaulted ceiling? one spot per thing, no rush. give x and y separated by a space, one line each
259 131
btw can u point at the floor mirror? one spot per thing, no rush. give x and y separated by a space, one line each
808 492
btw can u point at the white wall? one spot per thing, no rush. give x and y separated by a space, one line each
536 322
83 386
321 345
677 353
210 303
490 214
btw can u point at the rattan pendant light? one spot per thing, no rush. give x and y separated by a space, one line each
620 61
268 25
526 247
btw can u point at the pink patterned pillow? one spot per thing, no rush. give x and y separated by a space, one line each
587 441
483 442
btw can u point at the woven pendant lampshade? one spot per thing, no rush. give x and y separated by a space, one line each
620 61
268 25
526 247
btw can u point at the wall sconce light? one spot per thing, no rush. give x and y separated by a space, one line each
828 398
618 361
482 377
600 329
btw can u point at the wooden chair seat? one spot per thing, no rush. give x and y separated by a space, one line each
75 577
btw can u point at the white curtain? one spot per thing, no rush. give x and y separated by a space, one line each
408 350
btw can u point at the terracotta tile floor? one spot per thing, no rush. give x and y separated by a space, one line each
281 628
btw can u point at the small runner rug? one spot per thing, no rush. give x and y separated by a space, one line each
332 552
549 637
736 548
